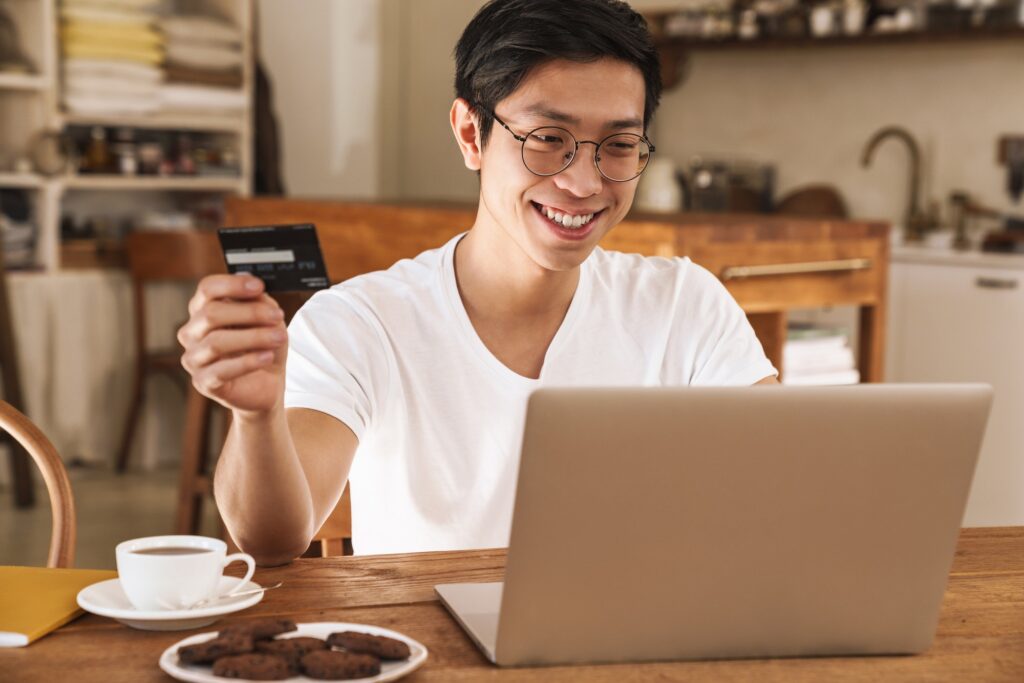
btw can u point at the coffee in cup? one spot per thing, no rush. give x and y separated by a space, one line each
175 572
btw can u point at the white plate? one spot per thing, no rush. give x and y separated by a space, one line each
107 599
389 671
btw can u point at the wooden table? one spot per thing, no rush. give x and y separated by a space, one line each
980 635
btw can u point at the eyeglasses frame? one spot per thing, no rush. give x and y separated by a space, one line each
597 146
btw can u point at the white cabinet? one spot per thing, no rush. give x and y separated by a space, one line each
962 320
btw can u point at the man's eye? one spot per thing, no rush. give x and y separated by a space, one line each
547 139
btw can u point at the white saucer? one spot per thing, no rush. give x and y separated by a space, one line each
389 671
107 599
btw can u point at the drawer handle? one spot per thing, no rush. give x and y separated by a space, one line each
995 283
840 266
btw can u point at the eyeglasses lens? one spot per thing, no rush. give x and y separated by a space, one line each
622 157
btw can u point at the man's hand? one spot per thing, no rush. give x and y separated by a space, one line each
236 343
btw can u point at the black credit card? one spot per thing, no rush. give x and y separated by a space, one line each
286 257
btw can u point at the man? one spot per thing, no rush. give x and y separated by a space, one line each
425 368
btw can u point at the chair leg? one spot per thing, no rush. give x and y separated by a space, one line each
193 461
132 420
332 547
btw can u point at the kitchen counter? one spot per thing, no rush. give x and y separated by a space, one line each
950 257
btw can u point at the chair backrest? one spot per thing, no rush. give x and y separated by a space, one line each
62 501
168 256
180 255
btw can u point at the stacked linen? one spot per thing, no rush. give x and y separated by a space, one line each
204 64
112 56
817 355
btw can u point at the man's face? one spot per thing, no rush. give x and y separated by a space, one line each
590 100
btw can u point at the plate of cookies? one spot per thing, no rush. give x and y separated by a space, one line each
281 650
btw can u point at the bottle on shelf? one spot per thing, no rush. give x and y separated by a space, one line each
97 153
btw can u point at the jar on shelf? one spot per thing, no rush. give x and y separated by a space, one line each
126 152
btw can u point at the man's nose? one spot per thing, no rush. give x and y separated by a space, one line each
582 178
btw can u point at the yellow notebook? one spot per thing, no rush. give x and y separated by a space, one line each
37 600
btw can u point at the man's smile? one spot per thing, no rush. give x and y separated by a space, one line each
565 218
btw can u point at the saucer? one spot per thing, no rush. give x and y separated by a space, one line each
107 599
389 671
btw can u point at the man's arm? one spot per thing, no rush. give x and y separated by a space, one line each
770 379
278 479
281 472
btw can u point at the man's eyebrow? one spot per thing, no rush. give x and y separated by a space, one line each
562 117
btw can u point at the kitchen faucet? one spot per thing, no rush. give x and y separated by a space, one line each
915 221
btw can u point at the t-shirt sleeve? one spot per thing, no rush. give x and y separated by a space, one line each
726 351
337 361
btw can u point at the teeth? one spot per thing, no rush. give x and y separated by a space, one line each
565 220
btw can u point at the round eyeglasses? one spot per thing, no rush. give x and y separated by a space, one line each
549 150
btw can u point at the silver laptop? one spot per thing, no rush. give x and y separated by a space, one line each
661 524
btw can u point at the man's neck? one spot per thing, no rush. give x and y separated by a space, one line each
498 280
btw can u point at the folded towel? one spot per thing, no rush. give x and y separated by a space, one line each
95 85
117 4
148 55
112 68
103 14
131 34
200 29
198 97
99 104
226 78
203 56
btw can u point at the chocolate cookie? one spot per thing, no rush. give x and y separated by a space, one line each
255 667
261 629
364 643
292 649
222 646
330 665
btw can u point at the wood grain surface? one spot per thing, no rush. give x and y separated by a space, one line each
980 635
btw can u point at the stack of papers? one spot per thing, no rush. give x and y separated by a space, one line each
816 356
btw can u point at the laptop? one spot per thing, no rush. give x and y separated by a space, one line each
685 523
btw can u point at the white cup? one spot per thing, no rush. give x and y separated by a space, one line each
155 577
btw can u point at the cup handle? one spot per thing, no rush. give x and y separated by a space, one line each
240 557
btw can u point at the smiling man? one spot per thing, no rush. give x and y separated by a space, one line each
413 382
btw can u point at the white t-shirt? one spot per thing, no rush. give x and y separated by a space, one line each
394 356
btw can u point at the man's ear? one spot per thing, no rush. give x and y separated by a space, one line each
467 133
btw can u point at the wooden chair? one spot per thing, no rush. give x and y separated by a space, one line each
167 256
62 501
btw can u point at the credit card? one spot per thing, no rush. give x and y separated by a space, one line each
286 257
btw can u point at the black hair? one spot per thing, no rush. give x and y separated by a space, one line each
508 38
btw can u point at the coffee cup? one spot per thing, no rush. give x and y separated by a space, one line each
176 572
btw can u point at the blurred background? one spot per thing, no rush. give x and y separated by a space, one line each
122 117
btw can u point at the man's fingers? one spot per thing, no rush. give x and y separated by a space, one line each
212 287
220 314
213 378
219 344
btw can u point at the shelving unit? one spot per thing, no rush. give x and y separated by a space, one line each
213 123
156 183
674 50
31 103
22 82
24 181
